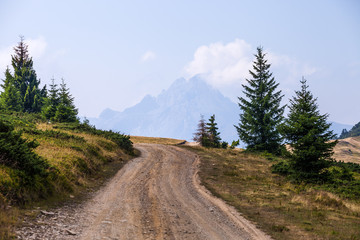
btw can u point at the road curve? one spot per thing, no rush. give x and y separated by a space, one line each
158 196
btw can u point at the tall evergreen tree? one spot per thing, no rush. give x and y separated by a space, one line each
201 135
214 135
52 101
308 134
25 79
261 110
66 110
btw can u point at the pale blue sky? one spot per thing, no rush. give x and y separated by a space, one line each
113 53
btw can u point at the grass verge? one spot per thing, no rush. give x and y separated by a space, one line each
78 158
282 209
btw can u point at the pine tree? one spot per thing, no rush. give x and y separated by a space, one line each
66 110
201 135
214 135
261 111
51 102
25 79
10 98
308 134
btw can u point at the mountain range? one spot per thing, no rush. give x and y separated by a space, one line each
175 113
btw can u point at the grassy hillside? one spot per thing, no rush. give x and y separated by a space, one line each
284 209
76 156
348 150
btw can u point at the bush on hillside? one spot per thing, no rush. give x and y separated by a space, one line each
17 152
338 177
123 141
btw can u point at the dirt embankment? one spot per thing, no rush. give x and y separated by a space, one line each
155 196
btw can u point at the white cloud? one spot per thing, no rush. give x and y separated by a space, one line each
36 49
222 64
149 55
226 66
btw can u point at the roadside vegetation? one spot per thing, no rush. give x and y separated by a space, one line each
283 208
42 162
286 180
46 153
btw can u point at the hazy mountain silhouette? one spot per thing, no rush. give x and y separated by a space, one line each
175 112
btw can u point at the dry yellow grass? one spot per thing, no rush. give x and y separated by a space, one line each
155 140
8 217
348 150
75 159
44 126
281 208
78 161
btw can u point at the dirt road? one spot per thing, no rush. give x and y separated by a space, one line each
158 196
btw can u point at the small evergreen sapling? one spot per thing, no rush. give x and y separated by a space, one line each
66 110
51 102
201 135
214 135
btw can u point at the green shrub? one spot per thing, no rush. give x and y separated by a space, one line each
283 167
234 144
17 153
53 134
224 145
337 177
123 141
336 173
